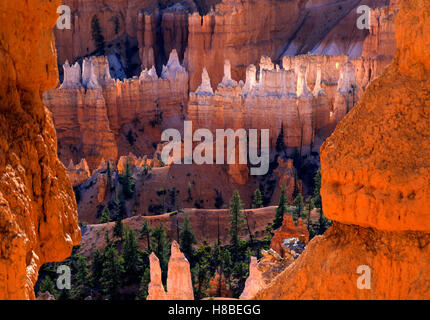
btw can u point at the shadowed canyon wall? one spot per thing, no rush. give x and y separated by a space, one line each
38 216
375 186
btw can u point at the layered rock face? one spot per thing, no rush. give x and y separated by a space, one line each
117 20
280 100
179 285
260 27
375 186
241 31
97 117
204 222
344 37
38 216
379 46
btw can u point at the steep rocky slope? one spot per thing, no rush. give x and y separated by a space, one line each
98 117
375 186
208 224
38 216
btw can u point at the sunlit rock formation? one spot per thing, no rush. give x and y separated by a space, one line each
38 216
97 117
262 272
259 28
375 173
279 100
78 173
155 286
286 231
179 285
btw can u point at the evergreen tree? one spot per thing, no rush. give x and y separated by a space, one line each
280 145
282 208
202 270
118 228
190 197
236 223
105 218
113 268
219 201
145 231
97 36
226 264
96 268
161 247
128 183
299 204
144 282
323 222
109 176
258 199
187 239
317 188
47 285
130 254
81 288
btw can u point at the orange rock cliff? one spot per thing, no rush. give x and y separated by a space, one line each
38 216
375 186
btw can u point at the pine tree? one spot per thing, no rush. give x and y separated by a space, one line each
97 36
145 231
81 288
128 183
323 222
130 254
144 282
187 239
317 187
282 208
190 197
105 218
258 199
299 204
113 269
219 201
202 270
236 223
109 176
47 285
118 228
161 247
96 269
280 145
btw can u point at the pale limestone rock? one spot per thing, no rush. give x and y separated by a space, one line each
72 76
254 283
155 287
346 95
179 285
205 87
251 79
